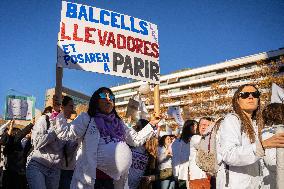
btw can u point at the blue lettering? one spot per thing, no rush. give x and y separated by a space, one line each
87 59
74 59
99 59
66 59
73 47
92 57
106 68
71 10
143 25
102 17
105 57
83 13
132 21
91 15
123 24
65 49
114 19
80 58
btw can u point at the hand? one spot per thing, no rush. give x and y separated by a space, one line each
146 179
33 121
11 127
276 141
12 122
155 119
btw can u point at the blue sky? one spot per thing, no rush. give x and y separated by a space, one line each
191 34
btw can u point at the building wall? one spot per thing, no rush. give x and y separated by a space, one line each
176 86
78 98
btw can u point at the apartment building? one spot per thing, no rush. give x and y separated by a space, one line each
181 84
78 97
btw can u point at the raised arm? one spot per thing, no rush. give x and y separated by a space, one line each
136 139
74 130
20 135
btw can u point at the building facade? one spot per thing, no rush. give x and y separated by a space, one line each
205 90
78 98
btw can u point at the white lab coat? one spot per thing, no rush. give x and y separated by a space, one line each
86 162
242 156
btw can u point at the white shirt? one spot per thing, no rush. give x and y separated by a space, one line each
165 161
113 158
269 171
180 159
236 150
194 171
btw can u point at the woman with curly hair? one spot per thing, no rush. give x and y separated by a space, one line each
240 145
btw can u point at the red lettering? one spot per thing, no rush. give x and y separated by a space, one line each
111 40
119 45
146 48
75 34
63 36
88 35
139 45
102 39
155 49
130 40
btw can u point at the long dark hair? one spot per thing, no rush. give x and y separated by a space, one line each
66 100
188 130
161 141
246 124
94 102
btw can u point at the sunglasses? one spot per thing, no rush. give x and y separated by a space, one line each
105 95
255 94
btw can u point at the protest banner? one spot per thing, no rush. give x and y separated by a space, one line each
104 41
19 107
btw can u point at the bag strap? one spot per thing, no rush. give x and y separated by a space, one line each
87 129
65 155
47 122
227 175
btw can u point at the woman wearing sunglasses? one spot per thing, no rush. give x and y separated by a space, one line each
240 148
103 157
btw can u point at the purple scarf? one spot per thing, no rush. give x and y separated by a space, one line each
110 125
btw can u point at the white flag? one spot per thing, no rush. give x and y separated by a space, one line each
175 112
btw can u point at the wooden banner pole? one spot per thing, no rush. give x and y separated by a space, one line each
156 100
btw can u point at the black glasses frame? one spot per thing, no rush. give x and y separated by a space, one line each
244 95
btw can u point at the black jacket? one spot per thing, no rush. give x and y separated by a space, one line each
16 155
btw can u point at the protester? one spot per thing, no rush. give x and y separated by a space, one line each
43 169
197 177
273 116
151 176
140 159
3 128
70 148
181 148
165 154
240 145
103 157
17 145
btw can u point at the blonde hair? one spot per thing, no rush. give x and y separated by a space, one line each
151 146
246 124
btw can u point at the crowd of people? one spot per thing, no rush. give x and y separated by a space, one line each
97 150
